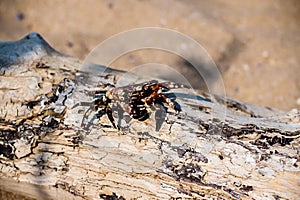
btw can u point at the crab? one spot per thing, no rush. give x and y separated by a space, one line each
137 100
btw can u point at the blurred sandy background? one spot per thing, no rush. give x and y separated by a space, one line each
256 44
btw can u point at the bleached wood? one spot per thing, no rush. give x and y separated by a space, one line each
250 153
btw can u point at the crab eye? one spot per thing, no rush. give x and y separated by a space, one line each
145 87
138 88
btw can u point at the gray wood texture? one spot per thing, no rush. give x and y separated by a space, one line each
51 147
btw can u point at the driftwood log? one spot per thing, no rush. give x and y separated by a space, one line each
216 148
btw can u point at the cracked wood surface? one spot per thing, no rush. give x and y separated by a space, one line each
215 148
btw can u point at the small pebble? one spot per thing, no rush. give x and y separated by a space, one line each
298 101
70 44
236 89
110 5
20 16
258 64
246 67
265 54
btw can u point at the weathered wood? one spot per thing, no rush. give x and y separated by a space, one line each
215 148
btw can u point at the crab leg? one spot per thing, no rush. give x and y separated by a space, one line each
110 116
